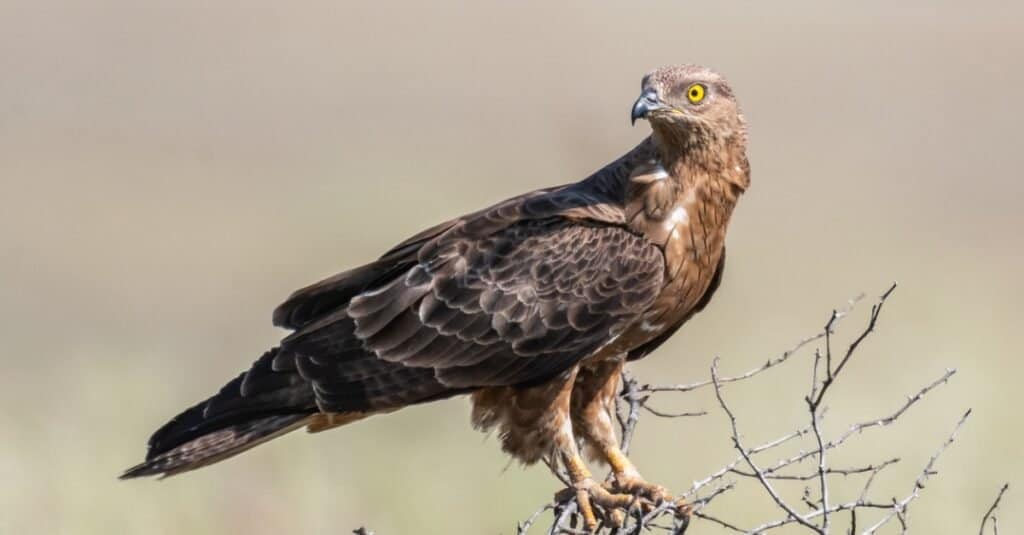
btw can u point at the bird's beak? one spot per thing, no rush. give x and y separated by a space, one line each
647 103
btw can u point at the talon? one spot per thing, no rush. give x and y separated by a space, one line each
610 500
616 518
636 485
594 499
586 509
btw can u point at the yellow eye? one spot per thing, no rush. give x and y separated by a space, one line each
695 93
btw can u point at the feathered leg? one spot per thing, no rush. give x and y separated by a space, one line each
593 409
534 423
588 492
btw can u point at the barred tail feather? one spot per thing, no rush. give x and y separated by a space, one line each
265 402
217 445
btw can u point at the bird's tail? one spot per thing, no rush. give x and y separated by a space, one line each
263 403
215 446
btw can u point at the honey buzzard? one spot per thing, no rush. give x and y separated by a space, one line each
531 306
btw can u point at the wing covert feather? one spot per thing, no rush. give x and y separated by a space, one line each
515 306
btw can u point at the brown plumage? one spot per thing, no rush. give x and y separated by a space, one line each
532 306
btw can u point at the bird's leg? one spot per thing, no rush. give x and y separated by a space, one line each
588 492
593 406
626 478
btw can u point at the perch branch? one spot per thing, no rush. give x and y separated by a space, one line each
749 465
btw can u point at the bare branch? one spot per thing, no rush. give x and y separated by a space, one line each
830 375
822 469
746 456
860 427
899 508
720 522
869 469
647 407
991 513
783 472
849 506
771 363
629 390
563 514
524 526
697 485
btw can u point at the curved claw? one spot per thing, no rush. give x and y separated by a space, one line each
638 487
649 495
611 506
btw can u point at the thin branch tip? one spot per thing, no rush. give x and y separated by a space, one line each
776 476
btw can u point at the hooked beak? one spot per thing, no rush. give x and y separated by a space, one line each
647 103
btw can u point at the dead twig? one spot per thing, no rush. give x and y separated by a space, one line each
991 513
755 464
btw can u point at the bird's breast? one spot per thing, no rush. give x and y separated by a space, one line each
689 227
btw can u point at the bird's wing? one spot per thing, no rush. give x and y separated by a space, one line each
572 201
316 300
513 306
592 199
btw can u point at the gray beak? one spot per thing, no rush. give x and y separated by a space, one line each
644 105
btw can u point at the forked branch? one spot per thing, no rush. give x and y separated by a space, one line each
772 474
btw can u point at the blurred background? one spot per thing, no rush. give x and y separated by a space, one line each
170 172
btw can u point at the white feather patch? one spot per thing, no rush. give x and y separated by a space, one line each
676 218
659 173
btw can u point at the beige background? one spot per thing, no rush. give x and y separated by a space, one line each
169 173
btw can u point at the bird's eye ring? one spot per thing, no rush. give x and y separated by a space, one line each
695 93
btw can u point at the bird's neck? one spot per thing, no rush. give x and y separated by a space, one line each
707 174
682 200
709 171
708 164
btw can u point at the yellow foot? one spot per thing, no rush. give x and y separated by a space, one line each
598 503
649 495
635 485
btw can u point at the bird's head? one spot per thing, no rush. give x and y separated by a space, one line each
688 106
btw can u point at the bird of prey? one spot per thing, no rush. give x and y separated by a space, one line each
531 306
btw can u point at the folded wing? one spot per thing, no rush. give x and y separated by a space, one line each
516 306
